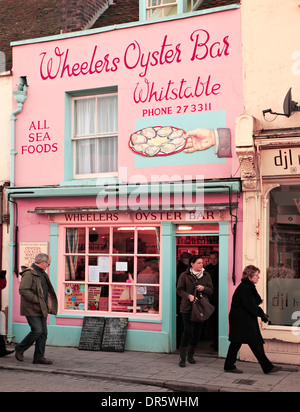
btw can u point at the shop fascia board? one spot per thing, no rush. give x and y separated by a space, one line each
217 187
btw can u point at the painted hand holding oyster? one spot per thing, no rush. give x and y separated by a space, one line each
158 141
168 140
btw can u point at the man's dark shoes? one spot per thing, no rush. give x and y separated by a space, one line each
19 355
42 361
235 370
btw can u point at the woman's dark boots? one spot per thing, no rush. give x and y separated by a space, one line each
3 351
182 354
190 357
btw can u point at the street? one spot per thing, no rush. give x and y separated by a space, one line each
22 381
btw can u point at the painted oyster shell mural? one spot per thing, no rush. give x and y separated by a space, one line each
158 141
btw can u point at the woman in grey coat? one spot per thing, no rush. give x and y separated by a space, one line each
243 323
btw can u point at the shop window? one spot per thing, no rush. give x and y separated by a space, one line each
95 135
283 272
112 269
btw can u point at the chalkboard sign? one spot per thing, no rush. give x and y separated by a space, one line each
91 333
114 335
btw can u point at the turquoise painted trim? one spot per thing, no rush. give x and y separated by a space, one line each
123 26
223 288
136 340
11 274
68 149
68 145
169 283
54 261
66 191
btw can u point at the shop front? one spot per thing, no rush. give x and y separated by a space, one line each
271 202
122 264
123 157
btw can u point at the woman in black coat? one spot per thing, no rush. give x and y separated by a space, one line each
193 278
243 323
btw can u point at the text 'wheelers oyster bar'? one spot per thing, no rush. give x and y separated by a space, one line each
126 168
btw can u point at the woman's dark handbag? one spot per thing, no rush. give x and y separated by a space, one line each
202 309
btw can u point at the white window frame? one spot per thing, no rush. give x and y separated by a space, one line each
95 135
160 8
136 313
183 6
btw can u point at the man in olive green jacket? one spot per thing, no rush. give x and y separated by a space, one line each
38 298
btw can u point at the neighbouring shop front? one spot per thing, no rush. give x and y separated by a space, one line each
129 162
271 204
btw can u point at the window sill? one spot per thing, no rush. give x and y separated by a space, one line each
153 319
89 182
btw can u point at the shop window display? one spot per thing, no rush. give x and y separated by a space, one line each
283 272
112 269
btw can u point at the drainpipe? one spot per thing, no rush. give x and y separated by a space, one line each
20 96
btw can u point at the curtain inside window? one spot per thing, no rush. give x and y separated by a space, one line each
84 117
71 247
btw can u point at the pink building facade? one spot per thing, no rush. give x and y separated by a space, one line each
123 157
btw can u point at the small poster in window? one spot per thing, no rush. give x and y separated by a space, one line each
121 266
94 273
29 250
103 264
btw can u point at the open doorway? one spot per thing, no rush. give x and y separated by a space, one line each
207 246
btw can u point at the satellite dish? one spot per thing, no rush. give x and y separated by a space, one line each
289 106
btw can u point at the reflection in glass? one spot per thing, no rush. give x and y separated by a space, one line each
75 268
148 240
283 273
123 240
98 297
122 269
99 240
122 298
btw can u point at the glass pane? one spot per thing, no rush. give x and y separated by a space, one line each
74 296
108 154
147 298
86 156
283 272
99 240
75 240
153 3
74 268
148 270
122 269
170 10
98 297
148 240
84 117
122 298
98 269
107 112
123 240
